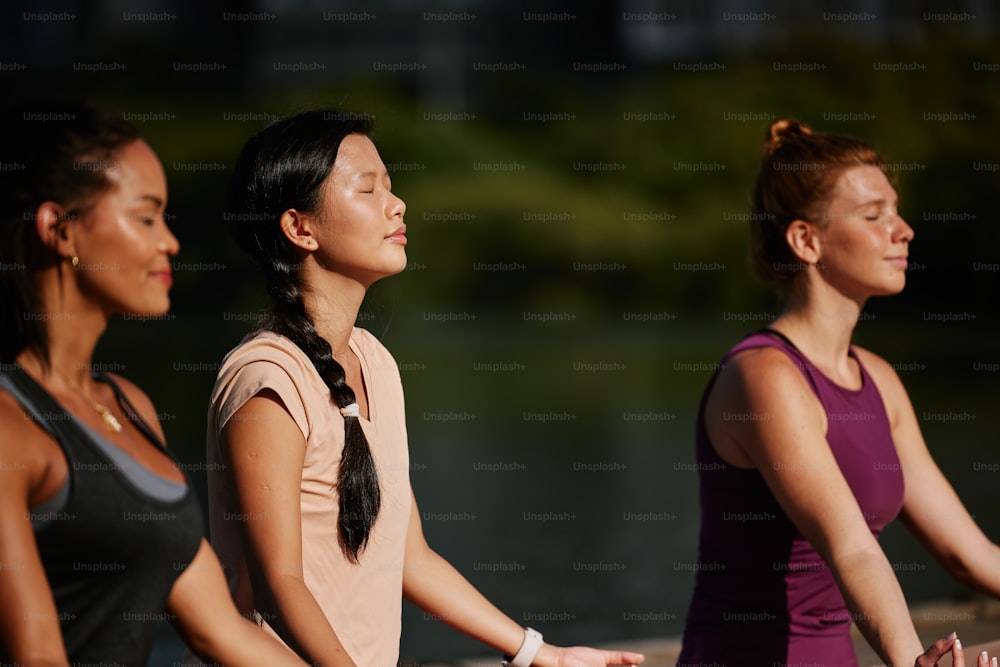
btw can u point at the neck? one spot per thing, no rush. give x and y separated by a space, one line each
333 302
820 321
72 329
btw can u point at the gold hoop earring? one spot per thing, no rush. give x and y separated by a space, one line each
75 262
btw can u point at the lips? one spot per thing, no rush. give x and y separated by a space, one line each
166 275
398 235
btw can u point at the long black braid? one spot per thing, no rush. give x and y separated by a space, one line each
282 167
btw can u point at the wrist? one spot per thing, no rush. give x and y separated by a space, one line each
547 656
527 654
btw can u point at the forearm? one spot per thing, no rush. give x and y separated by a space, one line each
439 589
246 645
23 646
38 661
979 568
54 662
297 618
876 602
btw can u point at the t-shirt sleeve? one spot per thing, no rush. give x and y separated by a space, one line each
253 377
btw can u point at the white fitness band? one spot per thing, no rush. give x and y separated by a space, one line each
529 649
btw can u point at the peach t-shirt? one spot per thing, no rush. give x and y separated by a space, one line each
363 601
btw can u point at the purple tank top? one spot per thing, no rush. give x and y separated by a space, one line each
763 596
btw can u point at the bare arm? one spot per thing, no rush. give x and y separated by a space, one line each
431 583
29 625
204 612
265 451
931 508
208 620
786 443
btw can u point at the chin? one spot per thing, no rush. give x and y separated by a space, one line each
396 267
148 311
890 290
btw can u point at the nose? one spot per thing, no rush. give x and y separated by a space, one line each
396 207
169 242
903 231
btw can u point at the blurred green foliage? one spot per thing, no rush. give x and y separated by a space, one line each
438 178
461 217
647 180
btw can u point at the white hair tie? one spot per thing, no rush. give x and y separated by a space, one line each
351 410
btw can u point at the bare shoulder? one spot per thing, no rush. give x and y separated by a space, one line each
890 387
17 427
873 362
759 393
882 372
22 444
760 371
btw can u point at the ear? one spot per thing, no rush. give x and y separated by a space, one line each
804 241
53 228
298 228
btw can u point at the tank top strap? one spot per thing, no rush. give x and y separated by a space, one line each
45 411
130 412
768 337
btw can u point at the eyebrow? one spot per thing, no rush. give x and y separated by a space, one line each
153 199
372 173
878 202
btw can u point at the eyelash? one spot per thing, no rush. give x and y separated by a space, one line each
372 190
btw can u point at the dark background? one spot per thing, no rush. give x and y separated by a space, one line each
576 181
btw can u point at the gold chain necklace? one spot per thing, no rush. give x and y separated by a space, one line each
109 419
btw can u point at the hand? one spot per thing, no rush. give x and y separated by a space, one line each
951 644
581 656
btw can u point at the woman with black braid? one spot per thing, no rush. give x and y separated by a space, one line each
310 501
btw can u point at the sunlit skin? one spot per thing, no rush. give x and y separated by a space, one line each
123 252
355 238
361 235
857 249
864 243
123 242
